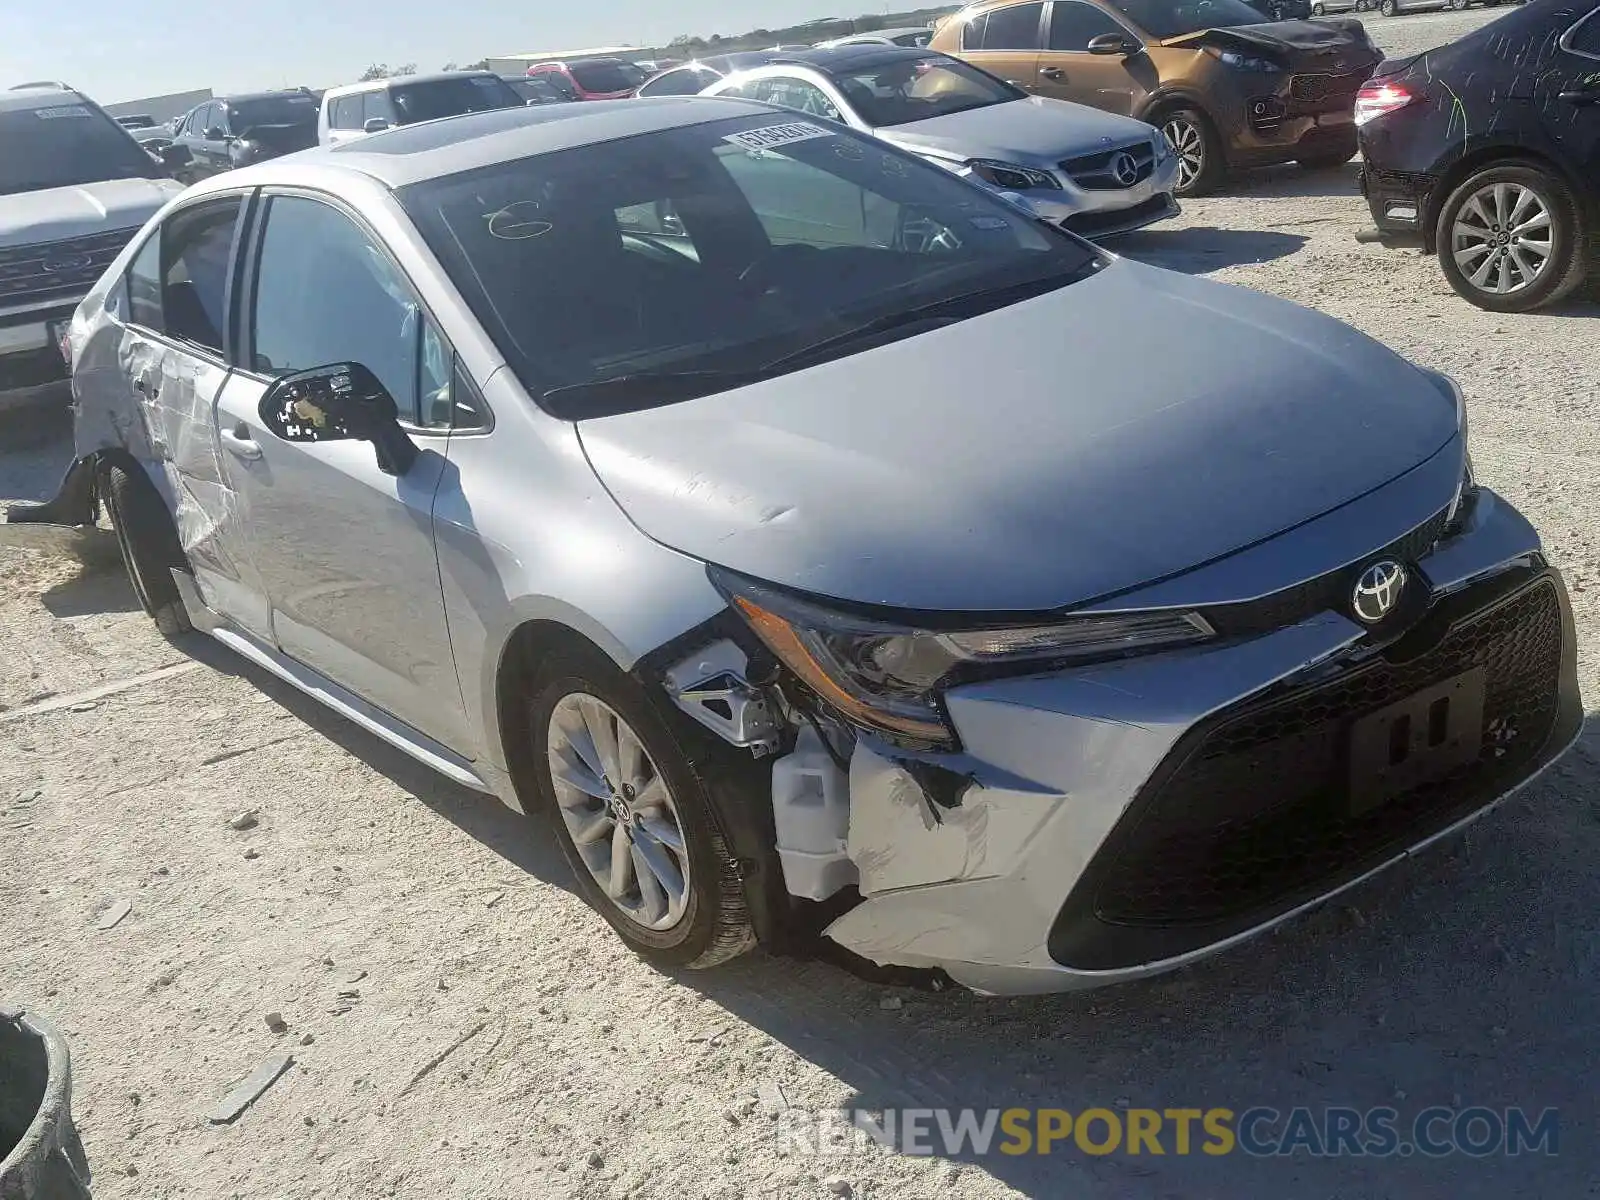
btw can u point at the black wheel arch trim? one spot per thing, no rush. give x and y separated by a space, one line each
1484 153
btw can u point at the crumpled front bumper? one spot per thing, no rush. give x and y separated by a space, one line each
1011 865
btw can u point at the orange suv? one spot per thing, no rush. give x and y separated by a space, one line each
1229 88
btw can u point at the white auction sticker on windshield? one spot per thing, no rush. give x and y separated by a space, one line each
769 136
62 110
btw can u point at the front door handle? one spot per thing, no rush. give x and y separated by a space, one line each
1052 73
1582 96
239 442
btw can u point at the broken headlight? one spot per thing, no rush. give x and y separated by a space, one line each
886 676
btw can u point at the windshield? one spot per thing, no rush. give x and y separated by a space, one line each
272 110
451 97
599 77
717 248
1174 18
60 145
904 90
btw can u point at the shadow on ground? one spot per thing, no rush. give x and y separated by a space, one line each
517 839
1201 250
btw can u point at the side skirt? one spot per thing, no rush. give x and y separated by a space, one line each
347 704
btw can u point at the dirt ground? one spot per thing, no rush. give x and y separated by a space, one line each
385 913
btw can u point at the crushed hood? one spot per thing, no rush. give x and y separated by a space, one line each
68 212
1113 432
1037 131
1331 37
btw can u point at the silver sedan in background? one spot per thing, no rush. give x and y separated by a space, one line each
816 544
1093 172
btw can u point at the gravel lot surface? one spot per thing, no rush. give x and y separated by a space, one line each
386 914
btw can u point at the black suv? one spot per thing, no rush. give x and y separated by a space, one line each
1486 153
235 131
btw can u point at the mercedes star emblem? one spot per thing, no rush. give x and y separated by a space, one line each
1378 591
1125 169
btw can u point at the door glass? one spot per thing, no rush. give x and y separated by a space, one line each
972 32
800 94
1585 39
1014 28
346 113
144 286
195 245
436 369
377 107
1073 25
325 293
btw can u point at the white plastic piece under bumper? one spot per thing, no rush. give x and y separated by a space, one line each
973 880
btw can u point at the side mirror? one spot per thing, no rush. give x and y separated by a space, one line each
173 156
1112 43
340 402
374 125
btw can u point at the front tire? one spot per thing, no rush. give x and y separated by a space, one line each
1194 140
1388 8
1318 9
149 543
632 817
1509 239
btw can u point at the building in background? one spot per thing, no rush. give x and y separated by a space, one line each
160 108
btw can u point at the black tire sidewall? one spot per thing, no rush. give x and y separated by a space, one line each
148 541
696 932
1557 197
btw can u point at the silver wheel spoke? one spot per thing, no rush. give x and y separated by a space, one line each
1527 269
1540 220
1525 200
1473 208
618 811
1502 204
1480 277
1467 255
621 882
1490 242
664 832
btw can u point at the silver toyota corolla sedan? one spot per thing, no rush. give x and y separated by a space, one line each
648 466
1093 172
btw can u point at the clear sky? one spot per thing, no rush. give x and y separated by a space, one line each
119 50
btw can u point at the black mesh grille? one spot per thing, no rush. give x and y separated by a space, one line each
1319 87
1261 806
57 270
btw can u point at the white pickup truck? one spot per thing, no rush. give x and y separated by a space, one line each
74 189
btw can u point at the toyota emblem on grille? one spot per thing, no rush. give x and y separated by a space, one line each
70 262
1378 591
1125 169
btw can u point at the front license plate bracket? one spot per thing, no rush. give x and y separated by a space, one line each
1415 740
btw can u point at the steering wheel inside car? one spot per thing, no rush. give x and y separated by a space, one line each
920 232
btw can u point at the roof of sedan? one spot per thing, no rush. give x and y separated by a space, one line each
430 149
857 57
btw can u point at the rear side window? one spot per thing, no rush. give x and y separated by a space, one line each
1014 28
345 113
376 106
1585 36
683 82
178 283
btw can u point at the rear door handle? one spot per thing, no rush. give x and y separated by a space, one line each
239 443
1052 73
1582 96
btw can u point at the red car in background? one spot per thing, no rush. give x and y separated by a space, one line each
591 78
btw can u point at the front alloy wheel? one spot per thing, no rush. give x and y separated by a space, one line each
1508 239
1191 139
619 812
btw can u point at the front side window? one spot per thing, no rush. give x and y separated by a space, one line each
903 90
64 145
178 282
1174 18
325 293
451 97
1073 25
1013 28
793 231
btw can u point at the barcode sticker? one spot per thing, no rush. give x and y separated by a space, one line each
769 136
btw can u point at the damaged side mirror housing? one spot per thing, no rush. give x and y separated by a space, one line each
340 402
